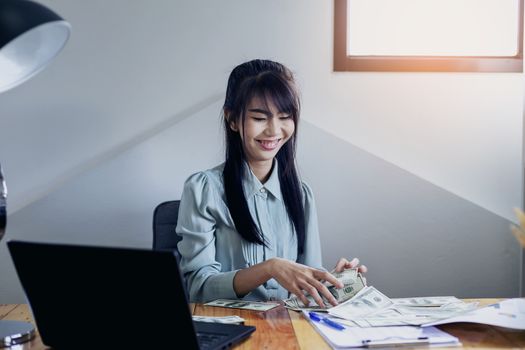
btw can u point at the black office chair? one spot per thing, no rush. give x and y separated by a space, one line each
165 218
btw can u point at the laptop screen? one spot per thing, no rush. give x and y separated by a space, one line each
104 295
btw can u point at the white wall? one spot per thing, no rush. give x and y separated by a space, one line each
130 66
460 131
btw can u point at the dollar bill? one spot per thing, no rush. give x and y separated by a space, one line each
366 302
413 316
388 317
371 308
426 301
242 304
445 311
352 281
219 319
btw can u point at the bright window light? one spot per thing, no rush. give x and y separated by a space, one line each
432 28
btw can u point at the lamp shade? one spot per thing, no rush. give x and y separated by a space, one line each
30 36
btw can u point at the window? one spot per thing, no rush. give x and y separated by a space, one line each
428 35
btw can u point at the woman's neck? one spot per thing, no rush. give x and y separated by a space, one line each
261 169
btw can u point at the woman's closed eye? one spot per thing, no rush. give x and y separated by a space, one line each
259 119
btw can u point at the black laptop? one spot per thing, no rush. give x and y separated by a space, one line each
104 297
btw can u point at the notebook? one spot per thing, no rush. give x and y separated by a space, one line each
106 297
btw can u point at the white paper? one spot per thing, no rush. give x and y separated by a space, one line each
508 313
353 337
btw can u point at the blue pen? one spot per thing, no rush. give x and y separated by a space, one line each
333 324
314 317
318 318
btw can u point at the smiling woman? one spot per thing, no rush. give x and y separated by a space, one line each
264 131
249 226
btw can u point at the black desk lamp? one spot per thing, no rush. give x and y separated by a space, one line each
31 35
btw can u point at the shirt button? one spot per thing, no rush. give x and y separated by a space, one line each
262 190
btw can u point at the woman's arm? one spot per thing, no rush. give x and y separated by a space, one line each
197 225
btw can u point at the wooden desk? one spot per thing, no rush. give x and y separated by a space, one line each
283 329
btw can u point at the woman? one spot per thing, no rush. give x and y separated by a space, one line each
249 226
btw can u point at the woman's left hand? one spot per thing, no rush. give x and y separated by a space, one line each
344 264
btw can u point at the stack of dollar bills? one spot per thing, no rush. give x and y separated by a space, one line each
371 308
352 281
360 305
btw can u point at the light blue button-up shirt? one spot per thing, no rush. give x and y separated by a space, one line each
212 250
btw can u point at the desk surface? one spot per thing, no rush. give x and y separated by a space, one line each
280 328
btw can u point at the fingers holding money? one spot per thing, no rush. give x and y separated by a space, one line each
321 288
303 280
299 294
311 290
344 264
317 290
350 283
328 277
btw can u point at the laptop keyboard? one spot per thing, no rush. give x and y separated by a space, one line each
209 340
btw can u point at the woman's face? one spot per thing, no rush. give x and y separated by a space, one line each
265 130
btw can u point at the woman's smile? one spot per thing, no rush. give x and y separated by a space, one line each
269 145
264 131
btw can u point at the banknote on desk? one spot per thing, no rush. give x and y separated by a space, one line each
426 301
371 308
242 304
219 319
352 281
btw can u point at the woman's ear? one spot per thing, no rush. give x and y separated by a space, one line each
233 125
231 122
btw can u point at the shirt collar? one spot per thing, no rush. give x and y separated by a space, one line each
252 185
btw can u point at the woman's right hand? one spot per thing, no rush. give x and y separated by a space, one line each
298 278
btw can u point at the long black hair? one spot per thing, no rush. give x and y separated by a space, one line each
270 81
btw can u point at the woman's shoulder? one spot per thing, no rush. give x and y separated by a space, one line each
210 177
308 198
204 190
307 190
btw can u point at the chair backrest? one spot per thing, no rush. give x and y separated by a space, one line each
165 219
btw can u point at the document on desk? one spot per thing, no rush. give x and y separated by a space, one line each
509 313
373 337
